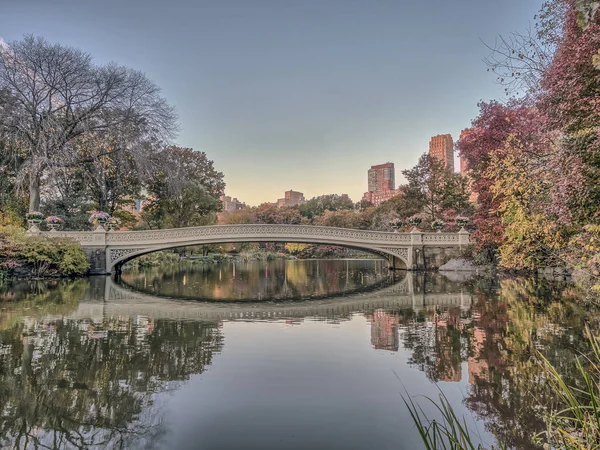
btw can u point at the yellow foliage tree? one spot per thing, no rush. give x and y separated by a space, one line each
531 238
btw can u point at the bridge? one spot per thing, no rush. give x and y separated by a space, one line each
107 251
106 298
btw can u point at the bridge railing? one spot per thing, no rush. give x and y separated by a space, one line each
263 231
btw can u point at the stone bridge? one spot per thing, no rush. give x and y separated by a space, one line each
107 298
108 251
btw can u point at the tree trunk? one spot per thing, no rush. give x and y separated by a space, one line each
34 192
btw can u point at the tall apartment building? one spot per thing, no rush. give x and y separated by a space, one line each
382 177
291 198
442 148
381 183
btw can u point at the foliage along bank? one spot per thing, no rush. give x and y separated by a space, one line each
39 256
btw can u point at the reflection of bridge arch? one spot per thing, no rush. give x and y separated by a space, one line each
110 298
108 251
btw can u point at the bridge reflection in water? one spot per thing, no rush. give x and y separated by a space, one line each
108 298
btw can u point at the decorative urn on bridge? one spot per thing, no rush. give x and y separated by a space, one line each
34 218
437 225
100 218
415 221
54 223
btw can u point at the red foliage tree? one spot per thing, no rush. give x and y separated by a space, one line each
488 135
571 104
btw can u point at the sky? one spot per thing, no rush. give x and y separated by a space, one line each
295 94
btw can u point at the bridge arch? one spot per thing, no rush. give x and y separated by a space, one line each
123 256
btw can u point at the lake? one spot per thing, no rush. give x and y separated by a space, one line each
277 354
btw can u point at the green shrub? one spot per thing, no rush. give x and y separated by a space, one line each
72 260
43 256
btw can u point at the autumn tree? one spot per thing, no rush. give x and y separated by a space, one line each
521 59
532 236
486 139
570 103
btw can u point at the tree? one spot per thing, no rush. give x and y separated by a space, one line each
343 219
184 191
432 186
487 137
571 92
318 205
532 236
12 208
521 60
56 95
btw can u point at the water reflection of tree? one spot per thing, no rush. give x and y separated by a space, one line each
522 317
436 338
39 298
498 339
81 383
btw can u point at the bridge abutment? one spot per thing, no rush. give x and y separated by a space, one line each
97 252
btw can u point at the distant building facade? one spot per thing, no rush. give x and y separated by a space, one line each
291 198
376 198
382 177
442 148
231 204
381 180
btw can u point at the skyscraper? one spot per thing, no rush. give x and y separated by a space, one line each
382 183
442 148
382 177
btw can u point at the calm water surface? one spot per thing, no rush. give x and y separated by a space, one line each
262 280
96 364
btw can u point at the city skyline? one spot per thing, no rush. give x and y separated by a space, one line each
278 94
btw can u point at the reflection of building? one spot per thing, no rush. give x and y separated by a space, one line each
384 331
442 148
381 183
291 198
477 366
230 204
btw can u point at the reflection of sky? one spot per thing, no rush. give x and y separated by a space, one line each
318 385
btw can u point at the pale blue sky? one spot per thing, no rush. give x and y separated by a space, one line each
295 94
